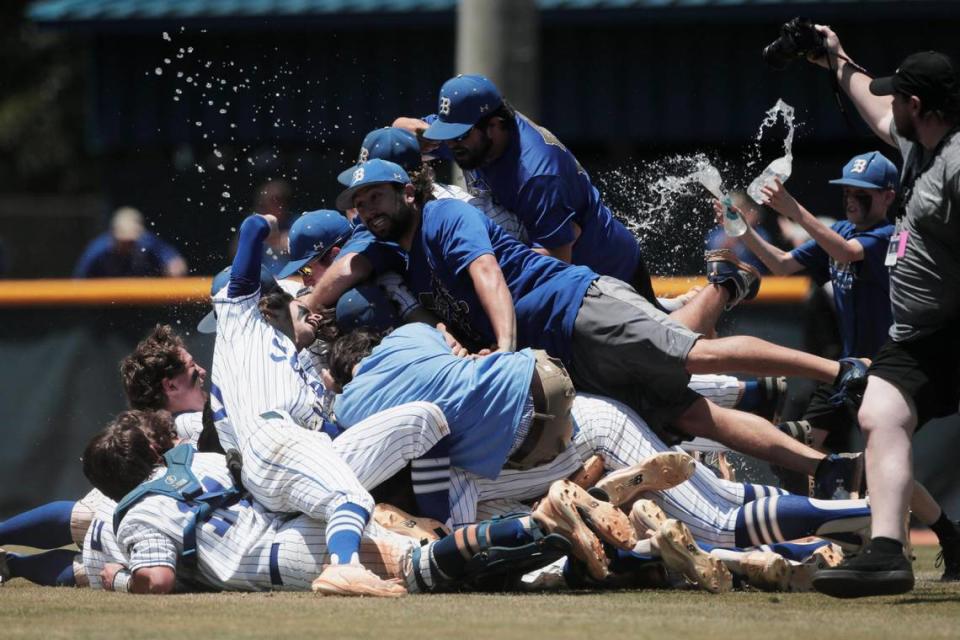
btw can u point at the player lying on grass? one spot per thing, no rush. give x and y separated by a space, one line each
233 542
159 374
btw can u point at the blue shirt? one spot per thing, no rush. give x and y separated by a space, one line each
148 257
481 398
861 290
539 180
546 292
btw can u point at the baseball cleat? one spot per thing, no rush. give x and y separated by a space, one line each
646 517
741 280
354 580
580 518
656 473
949 559
766 570
423 530
680 553
870 573
801 573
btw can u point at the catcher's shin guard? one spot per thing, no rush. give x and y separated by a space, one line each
493 567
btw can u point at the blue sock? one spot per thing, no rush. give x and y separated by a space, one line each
751 397
626 561
344 530
44 568
431 482
797 551
788 517
46 527
752 492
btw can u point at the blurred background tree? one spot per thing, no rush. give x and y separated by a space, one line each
42 93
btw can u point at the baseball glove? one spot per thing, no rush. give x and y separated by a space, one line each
354 580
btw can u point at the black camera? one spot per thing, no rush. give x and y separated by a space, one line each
798 38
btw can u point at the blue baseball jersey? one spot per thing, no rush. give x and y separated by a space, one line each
481 398
539 180
861 290
546 292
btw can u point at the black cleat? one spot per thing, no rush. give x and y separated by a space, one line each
871 573
949 559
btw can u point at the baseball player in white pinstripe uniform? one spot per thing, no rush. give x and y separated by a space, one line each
718 512
256 369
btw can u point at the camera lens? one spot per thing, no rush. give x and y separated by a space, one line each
778 54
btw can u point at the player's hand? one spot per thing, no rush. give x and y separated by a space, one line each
456 348
108 573
355 580
274 225
416 126
776 196
832 45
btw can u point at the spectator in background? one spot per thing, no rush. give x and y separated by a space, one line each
129 250
753 214
273 198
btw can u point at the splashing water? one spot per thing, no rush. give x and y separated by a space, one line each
663 204
782 167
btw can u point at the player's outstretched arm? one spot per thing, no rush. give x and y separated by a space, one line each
496 300
345 273
779 199
876 111
778 261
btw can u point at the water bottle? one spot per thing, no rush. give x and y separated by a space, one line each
779 168
733 223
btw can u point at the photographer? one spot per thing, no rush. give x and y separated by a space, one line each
916 374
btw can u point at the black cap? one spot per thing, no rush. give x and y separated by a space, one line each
929 75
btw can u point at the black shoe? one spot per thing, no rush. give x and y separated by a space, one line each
838 475
740 279
871 573
949 559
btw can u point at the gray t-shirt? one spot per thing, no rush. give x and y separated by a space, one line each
925 282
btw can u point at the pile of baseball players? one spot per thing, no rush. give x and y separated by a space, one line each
451 389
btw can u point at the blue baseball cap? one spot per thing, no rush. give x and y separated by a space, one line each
869 171
208 324
365 306
463 101
312 236
367 173
389 143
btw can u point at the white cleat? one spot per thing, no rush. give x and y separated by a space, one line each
646 516
801 573
656 473
766 570
680 553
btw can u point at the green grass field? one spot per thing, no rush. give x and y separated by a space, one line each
931 611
